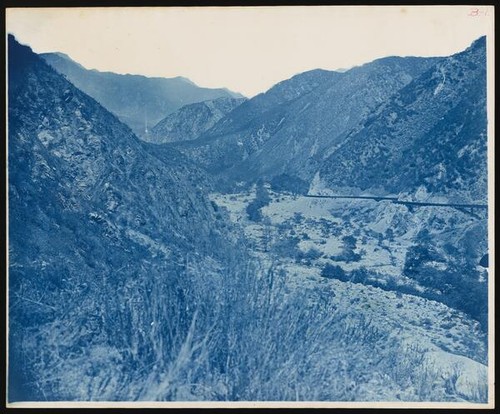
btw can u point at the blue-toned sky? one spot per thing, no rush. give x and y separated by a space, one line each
245 49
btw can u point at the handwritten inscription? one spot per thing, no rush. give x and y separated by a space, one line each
478 12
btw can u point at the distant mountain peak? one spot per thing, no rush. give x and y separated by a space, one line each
187 80
134 98
478 45
479 42
52 57
60 54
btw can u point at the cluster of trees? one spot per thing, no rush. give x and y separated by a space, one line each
453 280
334 272
456 285
450 274
288 183
262 199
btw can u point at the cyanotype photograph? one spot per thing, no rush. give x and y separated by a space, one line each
250 206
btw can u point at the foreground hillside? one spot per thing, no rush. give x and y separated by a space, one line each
96 221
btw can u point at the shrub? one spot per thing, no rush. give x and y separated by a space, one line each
287 247
349 241
334 272
253 212
359 275
312 254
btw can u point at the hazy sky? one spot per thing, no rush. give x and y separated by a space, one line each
245 49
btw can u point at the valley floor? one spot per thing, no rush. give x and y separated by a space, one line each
305 236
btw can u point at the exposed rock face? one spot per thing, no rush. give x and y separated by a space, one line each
431 136
291 128
190 121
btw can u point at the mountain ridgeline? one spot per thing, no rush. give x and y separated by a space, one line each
290 128
431 134
138 101
146 265
393 125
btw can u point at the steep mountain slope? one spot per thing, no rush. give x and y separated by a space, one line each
106 232
291 128
90 207
244 131
430 136
191 121
136 100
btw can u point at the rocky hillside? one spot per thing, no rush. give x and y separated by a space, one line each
430 136
136 100
291 128
128 281
190 121
91 207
